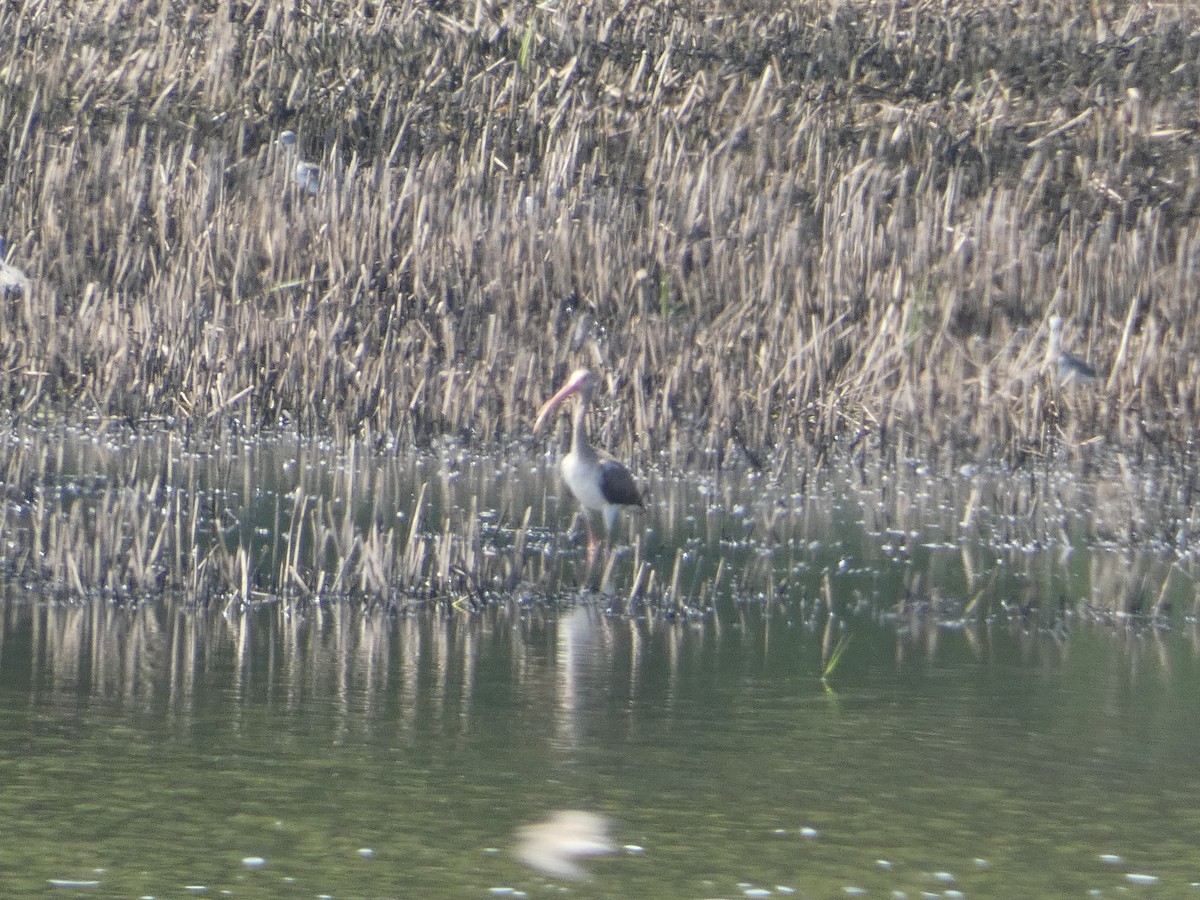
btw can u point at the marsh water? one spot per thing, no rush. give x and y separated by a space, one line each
1014 712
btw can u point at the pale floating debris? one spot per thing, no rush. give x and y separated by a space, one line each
553 846
1138 878
1111 859
366 852
253 862
72 883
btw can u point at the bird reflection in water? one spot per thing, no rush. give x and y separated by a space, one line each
555 846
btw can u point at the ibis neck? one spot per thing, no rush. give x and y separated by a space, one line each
579 438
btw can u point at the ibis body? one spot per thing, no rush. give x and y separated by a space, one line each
598 482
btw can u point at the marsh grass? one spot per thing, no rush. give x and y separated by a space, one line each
775 227
793 238
301 524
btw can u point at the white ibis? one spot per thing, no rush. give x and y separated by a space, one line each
1067 366
306 175
597 480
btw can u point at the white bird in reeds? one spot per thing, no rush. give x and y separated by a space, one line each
1068 367
598 481
554 846
306 175
12 279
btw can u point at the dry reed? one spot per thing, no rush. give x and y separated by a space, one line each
772 225
296 523
785 234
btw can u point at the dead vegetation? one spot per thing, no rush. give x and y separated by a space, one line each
799 221
300 524
777 229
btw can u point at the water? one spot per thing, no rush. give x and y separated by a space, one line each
996 725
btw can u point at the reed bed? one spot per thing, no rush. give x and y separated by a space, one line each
772 226
300 525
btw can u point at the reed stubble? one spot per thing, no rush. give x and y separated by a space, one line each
804 221
776 229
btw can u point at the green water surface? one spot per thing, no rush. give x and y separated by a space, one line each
1009 762
998 726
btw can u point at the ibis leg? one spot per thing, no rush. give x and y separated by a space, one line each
593 544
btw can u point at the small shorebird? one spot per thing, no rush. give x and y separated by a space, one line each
306 175
598 481
1068 367
12 279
